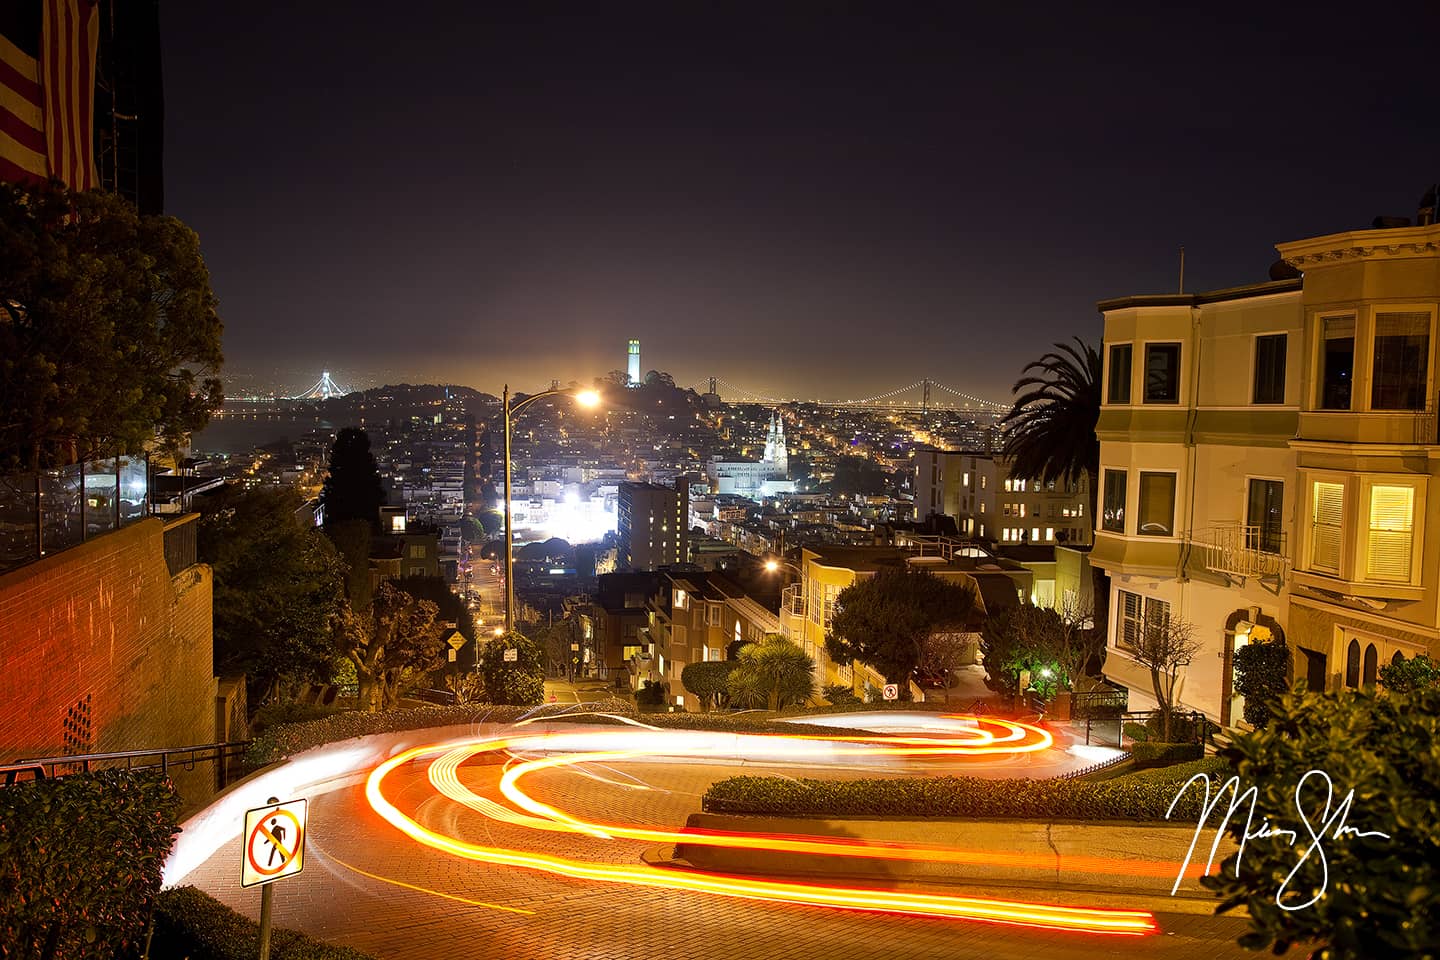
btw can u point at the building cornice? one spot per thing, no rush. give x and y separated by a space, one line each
1249 291
1395 243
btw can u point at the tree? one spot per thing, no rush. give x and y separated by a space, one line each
1164 646
352 489
1410 674
1011 641
659 378
399 637
773 673
1066 636
1381 895
1262 667
109 335
278 590
709 681
888 620
520 681
1050 429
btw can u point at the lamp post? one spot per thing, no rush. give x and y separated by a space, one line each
586 398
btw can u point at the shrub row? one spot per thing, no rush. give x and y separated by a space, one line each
191 925
286 740
1153 754
755 723
1214 767
1124 798
80 860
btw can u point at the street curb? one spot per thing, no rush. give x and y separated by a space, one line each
663 857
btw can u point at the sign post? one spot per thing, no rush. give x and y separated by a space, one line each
274 848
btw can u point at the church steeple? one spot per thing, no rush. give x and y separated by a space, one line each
775 453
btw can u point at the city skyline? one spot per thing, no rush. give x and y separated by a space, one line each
811 186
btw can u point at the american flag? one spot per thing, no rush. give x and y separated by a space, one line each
47 92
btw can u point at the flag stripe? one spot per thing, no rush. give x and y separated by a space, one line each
14 173
22 156
24 131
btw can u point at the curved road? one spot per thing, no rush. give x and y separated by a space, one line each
368 885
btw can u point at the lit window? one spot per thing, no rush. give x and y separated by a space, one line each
1022 509
965 479
1327 510
1007 484
1392 529
1034 534
1049 533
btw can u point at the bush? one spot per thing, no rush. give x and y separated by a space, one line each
80 861
1410 674
707 680
1154 754
651 695
1217 768
518 682
1139 732
1123 798
1261 676
841 695
1382 898
280 742
191 925
274 714
773 673
1184 727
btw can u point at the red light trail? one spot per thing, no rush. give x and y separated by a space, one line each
969 737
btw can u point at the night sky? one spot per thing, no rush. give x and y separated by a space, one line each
804 203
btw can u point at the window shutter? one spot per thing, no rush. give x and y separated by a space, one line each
1392 524
1329 508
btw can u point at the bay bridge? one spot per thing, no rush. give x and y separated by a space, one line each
923 396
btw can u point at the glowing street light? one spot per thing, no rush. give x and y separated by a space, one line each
586 398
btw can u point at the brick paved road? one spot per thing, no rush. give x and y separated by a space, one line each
368 886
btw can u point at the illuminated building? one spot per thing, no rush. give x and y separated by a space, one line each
651 523
766 477
991 505
632 362
1266 455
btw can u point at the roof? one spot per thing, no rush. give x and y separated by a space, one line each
1265 289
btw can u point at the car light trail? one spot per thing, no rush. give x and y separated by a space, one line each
971 738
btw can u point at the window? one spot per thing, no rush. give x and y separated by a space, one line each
1270 368
1327 510
1262 515
1402 361
1352 663
1136 613
1337 363
1162 373
1034 534
1157 505
681 600
1118 390
1114 514
417 551
1372 658
1392 530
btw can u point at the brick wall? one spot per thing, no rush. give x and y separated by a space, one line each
101 649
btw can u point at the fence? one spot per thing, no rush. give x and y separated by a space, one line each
223 755
52 510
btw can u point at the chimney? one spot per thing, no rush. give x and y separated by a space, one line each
1428 213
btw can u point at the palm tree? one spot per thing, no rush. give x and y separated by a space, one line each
1051 432
1051 427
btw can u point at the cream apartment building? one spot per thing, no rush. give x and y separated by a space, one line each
1266 453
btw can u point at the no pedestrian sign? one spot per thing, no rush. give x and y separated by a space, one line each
892 691
274 842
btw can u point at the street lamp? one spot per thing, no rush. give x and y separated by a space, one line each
586 398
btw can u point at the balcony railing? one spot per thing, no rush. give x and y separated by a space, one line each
1244 550
53 510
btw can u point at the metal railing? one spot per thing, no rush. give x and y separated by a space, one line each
182 542
1094 768
48 511
1244 550
163 759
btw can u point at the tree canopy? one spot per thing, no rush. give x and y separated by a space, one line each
279 589
400 637
888 620
774 673
109 331
352 489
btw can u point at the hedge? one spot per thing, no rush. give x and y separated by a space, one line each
280 742
1151 754
1214 767
1124 798
191 925
754 723
80 862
